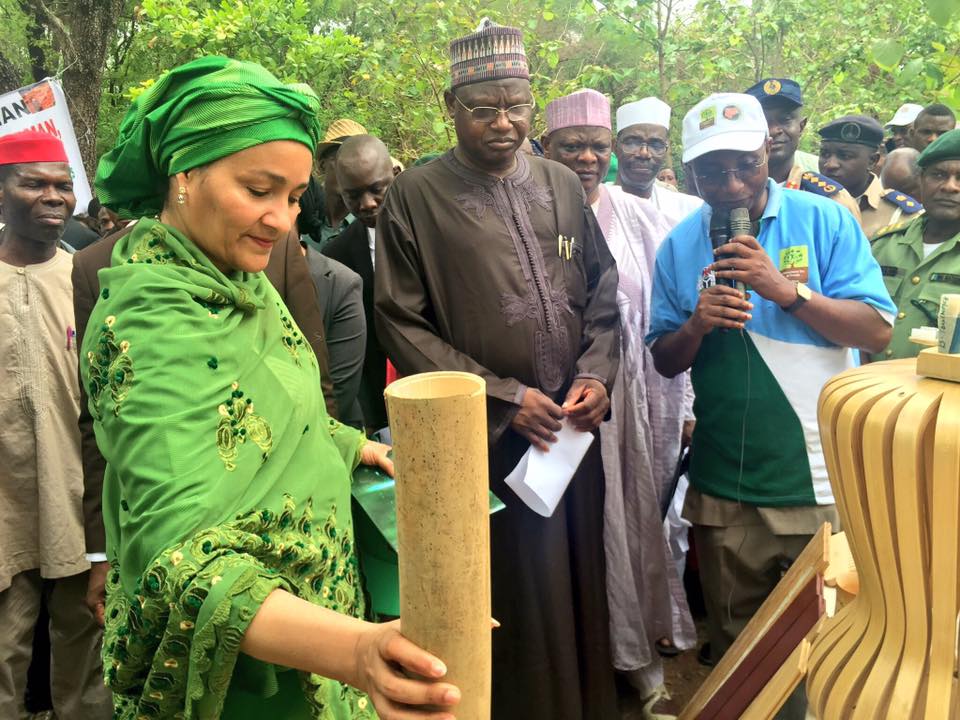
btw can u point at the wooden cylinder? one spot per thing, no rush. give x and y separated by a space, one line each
892 445
439 426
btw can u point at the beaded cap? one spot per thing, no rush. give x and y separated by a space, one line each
493 52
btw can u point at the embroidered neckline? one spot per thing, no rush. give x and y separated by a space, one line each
520 174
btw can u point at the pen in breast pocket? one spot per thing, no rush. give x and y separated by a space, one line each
71 335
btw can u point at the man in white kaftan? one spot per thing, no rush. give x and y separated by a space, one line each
640 443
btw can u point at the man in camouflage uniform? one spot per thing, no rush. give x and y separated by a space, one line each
920 257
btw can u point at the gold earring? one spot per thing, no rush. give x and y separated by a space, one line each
181 195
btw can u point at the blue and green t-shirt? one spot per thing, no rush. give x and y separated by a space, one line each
757 391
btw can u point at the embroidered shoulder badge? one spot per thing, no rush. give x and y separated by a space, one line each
239 423
110 367
819 184
907 204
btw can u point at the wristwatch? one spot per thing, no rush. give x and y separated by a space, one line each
803 294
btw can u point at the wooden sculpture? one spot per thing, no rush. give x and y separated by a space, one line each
892 444
439 426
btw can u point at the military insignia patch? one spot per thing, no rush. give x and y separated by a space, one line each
812 182
907 204
850 132
731 112
771 87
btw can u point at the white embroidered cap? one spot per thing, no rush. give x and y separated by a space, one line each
649 111
724 121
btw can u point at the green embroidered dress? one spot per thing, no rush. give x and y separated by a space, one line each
225 480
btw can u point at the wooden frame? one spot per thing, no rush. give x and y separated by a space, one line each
767 643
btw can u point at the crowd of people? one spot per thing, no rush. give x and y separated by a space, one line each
195 366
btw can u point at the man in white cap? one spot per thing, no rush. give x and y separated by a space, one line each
900 124
643 145
759 487
640 441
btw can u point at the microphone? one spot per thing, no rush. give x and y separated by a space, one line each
720 235
740 222
740 225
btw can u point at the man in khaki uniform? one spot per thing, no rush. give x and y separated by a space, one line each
782 103
41 481
850 147
920 258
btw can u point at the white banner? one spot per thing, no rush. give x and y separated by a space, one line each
43 106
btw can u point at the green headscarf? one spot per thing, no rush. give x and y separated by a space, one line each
194 114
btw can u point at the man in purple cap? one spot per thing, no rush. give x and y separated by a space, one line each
488 262
41 522
641 441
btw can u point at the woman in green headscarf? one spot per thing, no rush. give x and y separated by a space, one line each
226 495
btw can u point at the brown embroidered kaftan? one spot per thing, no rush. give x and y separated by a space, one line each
471 277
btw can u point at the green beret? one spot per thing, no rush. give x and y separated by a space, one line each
193 115
945 147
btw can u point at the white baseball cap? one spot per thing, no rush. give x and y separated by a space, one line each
649 111
724 121
905 115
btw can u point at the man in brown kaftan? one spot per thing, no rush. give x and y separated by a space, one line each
488 262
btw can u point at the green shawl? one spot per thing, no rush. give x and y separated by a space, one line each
225 480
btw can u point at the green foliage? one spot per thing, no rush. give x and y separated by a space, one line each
14 45
384 63
942 10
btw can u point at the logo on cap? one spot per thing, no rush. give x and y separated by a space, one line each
708 117
771 87
731 112
850 132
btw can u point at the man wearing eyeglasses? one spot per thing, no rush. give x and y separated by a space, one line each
489 262
642 148
759 487
641 441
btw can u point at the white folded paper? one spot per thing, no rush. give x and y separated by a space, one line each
541 478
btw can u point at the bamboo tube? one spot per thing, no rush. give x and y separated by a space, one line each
439 426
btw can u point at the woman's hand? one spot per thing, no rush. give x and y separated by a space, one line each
382 658
375 455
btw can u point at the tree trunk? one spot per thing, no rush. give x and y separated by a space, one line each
10 77
84 30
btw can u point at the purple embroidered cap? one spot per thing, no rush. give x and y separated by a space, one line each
582 108
493 52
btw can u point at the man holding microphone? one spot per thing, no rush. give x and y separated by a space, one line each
762 320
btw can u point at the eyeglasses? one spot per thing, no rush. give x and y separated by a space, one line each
515 113
719 178
655 147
